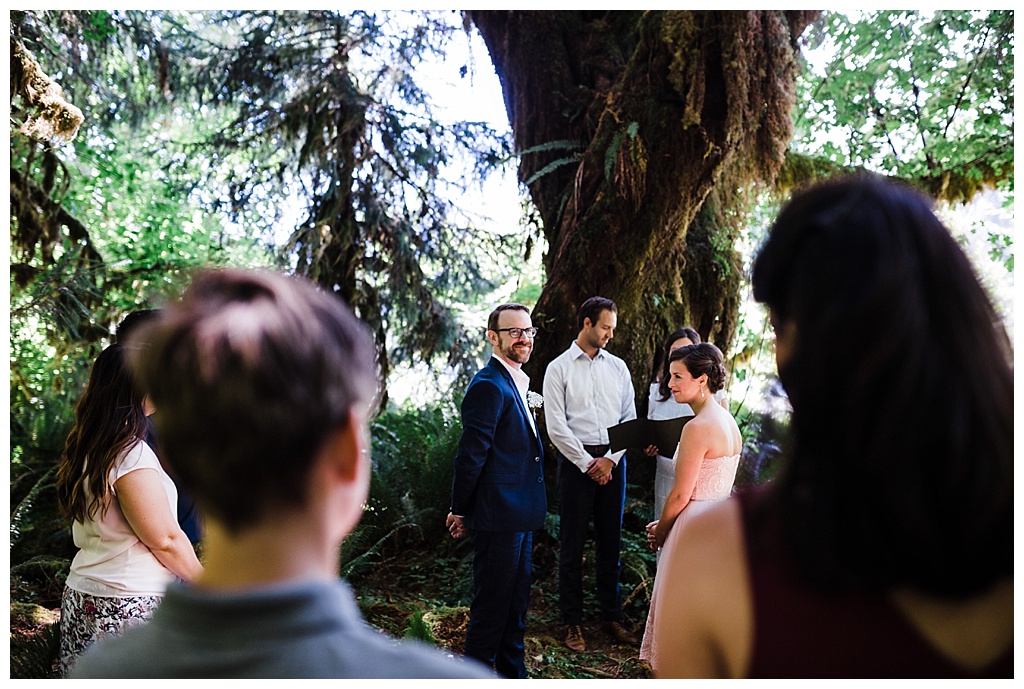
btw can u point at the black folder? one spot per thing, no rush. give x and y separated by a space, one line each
640 433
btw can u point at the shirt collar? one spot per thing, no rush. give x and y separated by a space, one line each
518 377
577 351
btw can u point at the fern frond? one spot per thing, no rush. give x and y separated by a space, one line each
550 167
34 656
559 145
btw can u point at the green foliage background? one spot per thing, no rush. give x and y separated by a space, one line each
190 143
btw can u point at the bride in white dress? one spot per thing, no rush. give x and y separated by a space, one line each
661 405
706 458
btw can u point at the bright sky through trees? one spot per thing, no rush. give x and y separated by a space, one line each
476 95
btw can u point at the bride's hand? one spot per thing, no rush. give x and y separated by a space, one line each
651 530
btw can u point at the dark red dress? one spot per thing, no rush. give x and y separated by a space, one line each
801 632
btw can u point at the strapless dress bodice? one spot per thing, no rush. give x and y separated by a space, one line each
714 482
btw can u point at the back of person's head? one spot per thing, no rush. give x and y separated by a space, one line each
108 417
591 309
661 361
702 359
132 321
900 378
249 374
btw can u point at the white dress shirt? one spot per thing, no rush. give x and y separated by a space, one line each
522 383
583 397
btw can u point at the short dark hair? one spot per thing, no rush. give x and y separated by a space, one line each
702 359
249 373
131 322
901 472
661 361
592 309
492 320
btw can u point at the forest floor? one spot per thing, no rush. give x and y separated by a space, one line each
393 594
423 593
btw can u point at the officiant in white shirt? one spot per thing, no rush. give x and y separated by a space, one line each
586 391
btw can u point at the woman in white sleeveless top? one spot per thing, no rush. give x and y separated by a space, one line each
706 458
121 505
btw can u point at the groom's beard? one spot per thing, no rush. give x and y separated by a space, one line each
518 351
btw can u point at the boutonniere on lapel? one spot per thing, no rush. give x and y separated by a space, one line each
534 401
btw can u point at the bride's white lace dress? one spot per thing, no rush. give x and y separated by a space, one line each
714 483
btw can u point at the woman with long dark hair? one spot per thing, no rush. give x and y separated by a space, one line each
121 506
885 547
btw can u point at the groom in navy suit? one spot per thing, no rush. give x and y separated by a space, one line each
498 494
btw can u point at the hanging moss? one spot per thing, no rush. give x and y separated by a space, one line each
687 104
49 118
957 186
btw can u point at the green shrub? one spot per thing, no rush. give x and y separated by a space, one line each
413 459
764 437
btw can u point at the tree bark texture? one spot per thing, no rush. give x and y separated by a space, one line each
627 122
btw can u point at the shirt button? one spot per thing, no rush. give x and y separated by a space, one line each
540 479
536 459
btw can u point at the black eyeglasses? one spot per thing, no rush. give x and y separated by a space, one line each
516 333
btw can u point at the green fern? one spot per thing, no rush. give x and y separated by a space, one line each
34 656
612 153
616 143
355 551
559 145
24 506
551 167
419 629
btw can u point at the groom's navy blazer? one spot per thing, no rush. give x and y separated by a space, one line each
499 468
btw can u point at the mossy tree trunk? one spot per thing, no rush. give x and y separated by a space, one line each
643 133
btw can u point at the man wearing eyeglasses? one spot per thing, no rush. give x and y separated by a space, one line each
586 391
498 494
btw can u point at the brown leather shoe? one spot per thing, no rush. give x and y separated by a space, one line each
620 633
574 638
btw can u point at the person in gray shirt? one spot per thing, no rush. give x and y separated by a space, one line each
263 385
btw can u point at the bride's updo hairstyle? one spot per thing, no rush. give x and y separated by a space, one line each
900 376
700 359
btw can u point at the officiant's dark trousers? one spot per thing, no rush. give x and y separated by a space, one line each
579 499
502 562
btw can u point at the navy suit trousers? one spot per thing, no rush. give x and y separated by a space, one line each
501 591
579 498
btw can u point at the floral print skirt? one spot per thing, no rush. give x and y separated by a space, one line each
85 619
